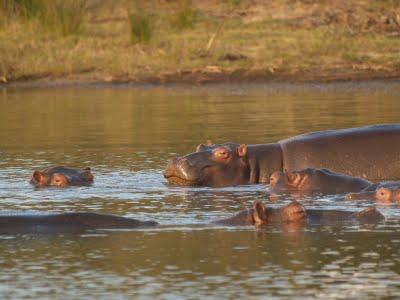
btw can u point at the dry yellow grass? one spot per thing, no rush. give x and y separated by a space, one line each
267 40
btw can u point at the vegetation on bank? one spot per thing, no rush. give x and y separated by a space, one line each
162 40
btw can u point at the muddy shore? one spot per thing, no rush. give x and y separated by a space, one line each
204 77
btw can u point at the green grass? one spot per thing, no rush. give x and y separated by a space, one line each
63 39
60 17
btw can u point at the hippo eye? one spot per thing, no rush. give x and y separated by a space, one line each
222 153
291 176
383 192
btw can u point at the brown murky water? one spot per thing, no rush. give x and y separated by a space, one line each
126 135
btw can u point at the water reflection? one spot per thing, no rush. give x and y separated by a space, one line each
126 135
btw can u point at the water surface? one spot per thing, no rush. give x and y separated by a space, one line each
126 134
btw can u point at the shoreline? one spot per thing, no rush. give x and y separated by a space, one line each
204 77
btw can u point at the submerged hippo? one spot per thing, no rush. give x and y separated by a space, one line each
295 213
311 180
62 177
384 192
371 152
323 181
66 222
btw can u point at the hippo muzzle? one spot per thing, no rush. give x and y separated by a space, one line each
179 171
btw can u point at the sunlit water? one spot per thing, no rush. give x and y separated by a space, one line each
126 135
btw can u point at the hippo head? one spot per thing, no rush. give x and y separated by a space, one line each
385 192
308 180
388 192
61 177
303 180
210 165
293 212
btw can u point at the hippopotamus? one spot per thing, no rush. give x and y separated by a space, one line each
66 222
371 152
311 180
383 192
323 181
62 177
296 213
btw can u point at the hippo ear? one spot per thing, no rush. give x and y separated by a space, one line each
259 214
38 176
200 147
242 150
87 174
204 146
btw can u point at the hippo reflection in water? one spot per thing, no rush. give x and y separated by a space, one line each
296 214
323 181
369 152
62 177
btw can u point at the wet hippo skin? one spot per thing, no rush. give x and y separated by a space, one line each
62 177
322 181
66 222
362 152
295 213
383 192
311 180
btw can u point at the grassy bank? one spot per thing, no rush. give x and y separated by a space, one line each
198 40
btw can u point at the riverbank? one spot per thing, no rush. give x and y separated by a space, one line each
237 41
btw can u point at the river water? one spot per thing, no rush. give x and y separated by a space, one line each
126 134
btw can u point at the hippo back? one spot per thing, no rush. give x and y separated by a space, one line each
371 152
38 222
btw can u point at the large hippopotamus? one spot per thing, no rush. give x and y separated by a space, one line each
296 214
311 180
66 222
371 152
62 177
383 192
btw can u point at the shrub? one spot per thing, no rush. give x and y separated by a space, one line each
140 27
185 15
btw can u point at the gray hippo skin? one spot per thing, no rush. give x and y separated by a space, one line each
383 193
372 153
311 180
62 177
66 222
296 214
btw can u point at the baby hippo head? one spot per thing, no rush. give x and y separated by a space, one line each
62 177
293 212
303 181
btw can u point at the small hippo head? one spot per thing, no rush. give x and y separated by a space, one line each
293 212
62 177
388 192
385 192
303 180
210 165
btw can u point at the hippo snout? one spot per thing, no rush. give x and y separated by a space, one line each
171 166
180 171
